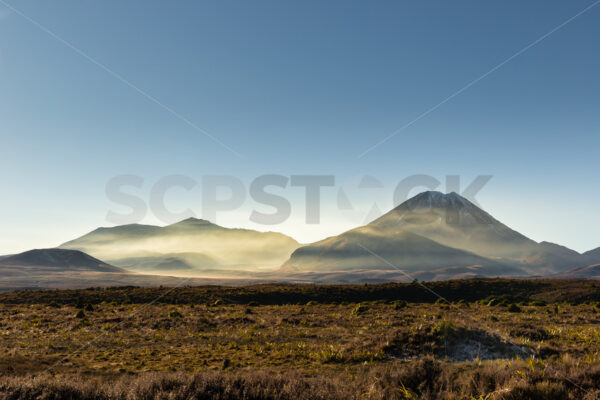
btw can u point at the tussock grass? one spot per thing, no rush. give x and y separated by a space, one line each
302 342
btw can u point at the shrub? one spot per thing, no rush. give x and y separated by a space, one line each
359 309
175 314
540 390
514 308
537 303
80 314
445 328
531 332
399 304
493 302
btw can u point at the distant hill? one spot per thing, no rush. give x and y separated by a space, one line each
432 236
593 256
547 258
589 272
57 259
431 232
62 268
190 244
180 262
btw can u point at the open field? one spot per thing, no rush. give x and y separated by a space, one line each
496 339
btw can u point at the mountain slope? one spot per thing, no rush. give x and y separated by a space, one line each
432 231
589 272
454 221
593 256
207 245
170 262
57 259
550 257
366 248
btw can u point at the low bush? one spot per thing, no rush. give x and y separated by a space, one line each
514 308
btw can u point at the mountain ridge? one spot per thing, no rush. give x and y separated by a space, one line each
215 246
61 259
458 224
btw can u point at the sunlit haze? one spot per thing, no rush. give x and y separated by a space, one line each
93 90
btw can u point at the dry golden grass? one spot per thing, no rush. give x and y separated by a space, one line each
489 349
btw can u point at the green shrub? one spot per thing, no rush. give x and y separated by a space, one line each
493 302
175 314
80 314
445 328
359 309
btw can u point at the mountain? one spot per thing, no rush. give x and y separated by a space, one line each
593 256
189 244
170 262
57 260
454 221
434 231
368 248
589 272
62 268
548 257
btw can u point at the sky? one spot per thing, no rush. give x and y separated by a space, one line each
90 91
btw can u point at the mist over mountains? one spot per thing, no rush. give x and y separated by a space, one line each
187 246
432 236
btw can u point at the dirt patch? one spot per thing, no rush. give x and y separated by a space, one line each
448 341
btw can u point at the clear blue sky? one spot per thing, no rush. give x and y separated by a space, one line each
299 88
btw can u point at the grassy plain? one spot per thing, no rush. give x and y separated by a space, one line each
492 339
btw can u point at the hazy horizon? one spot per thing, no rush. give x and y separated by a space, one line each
197 89
345 226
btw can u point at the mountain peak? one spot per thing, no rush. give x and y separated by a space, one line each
435 199
191 221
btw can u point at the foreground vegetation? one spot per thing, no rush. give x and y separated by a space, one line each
494 339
